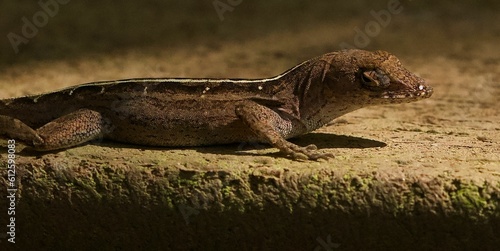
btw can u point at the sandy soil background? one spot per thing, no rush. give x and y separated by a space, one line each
454 135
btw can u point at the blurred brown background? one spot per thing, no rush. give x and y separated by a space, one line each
81 28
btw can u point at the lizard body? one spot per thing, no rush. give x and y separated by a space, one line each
196 112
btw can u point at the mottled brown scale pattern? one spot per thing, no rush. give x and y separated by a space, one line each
195 112
75 128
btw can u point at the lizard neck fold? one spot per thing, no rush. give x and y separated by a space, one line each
309 89
323 90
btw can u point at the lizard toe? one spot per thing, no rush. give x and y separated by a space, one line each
299 156
306 153
314 155
311 147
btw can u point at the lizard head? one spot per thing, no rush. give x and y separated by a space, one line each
381 77
373 78
340 82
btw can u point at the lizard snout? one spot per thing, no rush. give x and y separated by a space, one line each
424 91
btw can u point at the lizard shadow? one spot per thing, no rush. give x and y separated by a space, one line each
321 140
328 140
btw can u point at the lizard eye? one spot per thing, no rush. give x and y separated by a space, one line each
369 78
375 79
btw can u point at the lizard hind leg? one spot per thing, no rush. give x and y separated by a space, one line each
66 131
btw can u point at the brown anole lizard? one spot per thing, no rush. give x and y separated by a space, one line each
197 112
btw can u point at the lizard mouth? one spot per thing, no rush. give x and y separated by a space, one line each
420 92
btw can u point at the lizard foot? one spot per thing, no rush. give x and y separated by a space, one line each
304 153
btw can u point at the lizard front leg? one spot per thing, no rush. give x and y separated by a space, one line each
270 127
69 130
